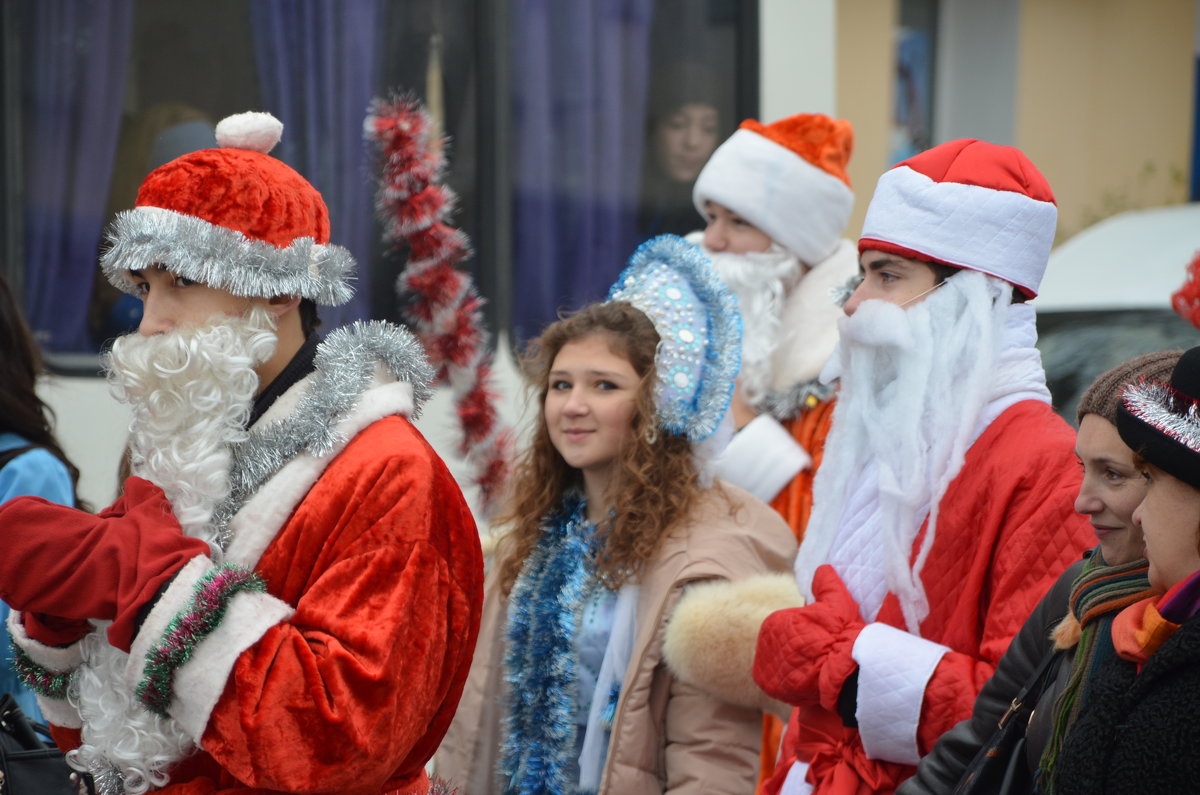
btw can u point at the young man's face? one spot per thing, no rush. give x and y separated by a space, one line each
728 232
888 277
172 302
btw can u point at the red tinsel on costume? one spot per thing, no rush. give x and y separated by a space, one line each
1186 300
413 206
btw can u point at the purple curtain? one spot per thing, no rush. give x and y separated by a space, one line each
318 68
75 57
580 74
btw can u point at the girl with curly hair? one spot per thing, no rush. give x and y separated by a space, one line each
613 517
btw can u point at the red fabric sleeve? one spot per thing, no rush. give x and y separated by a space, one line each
72 565
383 564
1042 536
804 653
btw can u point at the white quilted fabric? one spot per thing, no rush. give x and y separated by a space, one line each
894 668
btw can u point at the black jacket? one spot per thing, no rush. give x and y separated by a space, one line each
940 769
1139 732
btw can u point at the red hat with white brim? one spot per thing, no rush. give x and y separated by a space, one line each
970 204
788 178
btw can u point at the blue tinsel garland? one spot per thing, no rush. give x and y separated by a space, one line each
543 618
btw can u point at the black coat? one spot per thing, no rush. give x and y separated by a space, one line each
941 769
1139 732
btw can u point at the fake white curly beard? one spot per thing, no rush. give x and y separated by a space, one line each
191 393
761 281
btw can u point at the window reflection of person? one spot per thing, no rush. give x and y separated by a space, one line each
683 127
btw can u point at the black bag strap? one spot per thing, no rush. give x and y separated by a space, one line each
1008 737
9 455
1033 687
15 724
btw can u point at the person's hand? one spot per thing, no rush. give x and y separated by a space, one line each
739 406
804 653
66 566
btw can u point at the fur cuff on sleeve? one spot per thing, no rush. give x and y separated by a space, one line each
712 634
189 643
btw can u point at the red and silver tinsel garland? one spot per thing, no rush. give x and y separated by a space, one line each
414 206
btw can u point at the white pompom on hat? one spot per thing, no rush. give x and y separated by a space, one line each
788 178
970 204
233 218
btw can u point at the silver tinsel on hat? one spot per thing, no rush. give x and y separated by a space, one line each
213 255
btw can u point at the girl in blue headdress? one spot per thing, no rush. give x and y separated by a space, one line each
612 519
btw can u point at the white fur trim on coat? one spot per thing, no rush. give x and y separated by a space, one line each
255 525
59 659
803 208
894 668
199 683
762 458
1001 233
713 631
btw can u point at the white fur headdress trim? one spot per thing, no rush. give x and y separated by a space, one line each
800 206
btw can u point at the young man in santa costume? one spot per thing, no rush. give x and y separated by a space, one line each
777 199
943 509
287 595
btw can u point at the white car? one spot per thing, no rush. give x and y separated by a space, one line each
1106 296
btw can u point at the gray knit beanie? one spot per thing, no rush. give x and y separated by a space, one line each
1104 395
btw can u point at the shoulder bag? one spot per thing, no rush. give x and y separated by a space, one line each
999 768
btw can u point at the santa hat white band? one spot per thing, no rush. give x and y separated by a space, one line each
803 208
1001 233
225 258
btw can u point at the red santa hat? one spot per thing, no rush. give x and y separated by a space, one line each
787 178
233 218
970 204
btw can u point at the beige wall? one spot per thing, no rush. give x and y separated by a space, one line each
1104 102
865 56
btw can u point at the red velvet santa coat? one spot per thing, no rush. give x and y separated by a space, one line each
1006 529
345 674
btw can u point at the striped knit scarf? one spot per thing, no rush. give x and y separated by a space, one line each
1098 594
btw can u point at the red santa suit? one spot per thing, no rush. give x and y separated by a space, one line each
343 675
299 614
1006 529
931 543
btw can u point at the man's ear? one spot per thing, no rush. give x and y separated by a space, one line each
280 305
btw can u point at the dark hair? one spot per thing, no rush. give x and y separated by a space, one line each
943 272
21 410
655 475
310 321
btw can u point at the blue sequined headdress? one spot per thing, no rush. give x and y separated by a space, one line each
697 319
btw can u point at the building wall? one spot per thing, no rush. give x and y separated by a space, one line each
1099 93
863 66
1105 102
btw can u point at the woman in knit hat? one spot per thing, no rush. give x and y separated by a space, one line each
1138 730
1074 620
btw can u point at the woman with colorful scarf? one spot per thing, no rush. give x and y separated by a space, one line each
1073 620
1138 731
612 518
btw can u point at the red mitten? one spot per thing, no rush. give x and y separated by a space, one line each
69 565
804 653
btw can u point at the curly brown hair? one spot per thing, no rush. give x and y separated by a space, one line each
655 475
